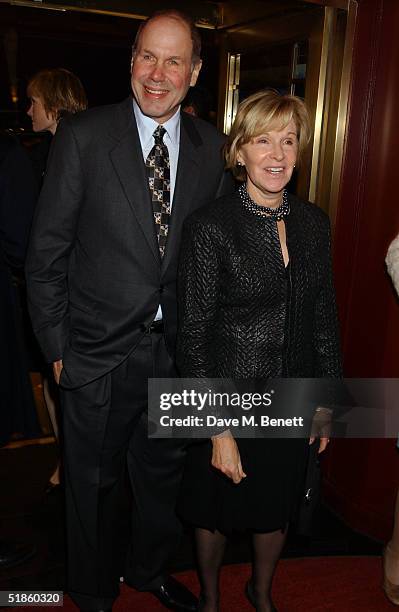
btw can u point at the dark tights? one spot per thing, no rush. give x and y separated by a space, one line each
267 549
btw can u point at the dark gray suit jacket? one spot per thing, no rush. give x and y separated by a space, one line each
95 277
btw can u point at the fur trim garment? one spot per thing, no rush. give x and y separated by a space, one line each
392 261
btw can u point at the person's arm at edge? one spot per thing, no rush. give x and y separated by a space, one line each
326 337
198 291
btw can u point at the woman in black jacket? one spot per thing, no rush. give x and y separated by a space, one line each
256 302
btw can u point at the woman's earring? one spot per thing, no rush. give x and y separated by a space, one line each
239 163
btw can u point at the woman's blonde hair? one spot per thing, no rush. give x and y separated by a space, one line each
60 91
264 111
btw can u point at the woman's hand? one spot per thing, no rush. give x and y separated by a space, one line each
322 445
226 457
321 428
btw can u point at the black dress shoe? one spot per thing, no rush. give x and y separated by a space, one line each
14 553
175 596
251 597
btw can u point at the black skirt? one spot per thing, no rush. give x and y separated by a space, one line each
266 500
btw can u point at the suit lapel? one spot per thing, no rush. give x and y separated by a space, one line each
188 172
127 159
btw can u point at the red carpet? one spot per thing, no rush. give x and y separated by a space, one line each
326 584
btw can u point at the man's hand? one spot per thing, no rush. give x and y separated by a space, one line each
57 369
226 457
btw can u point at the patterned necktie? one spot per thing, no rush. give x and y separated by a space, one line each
158 172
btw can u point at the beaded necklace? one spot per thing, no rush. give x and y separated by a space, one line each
264 211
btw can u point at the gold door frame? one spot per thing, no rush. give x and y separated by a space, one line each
325 181
341 127
329 122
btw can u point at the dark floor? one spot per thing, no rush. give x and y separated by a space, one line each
26 514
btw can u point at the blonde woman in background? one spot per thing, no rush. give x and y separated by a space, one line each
54 93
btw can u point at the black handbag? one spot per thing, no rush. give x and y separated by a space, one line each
311 492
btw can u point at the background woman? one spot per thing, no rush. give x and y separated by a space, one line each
54 93
256 302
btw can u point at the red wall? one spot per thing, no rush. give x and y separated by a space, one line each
361 476
368 214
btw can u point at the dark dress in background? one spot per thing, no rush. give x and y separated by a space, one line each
18 194
244 315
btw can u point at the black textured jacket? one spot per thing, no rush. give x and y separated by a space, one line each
242 313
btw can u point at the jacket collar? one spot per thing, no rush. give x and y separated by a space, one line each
127 159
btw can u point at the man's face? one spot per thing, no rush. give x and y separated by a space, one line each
162 69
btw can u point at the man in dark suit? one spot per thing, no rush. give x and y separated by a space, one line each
102 283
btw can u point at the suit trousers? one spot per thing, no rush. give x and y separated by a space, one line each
105 432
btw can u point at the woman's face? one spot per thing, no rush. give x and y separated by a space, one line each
40 119
269 160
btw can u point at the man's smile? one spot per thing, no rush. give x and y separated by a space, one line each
153 92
